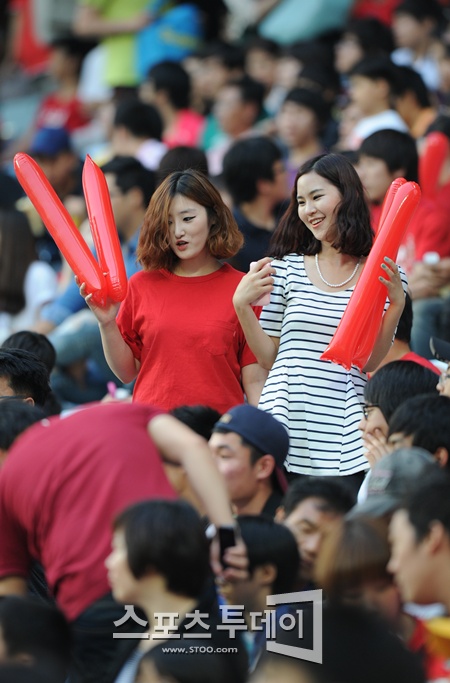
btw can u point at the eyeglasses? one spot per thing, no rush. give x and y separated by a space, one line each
367 407
15 396
444 376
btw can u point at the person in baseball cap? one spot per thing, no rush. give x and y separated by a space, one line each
392 479
250 447
441 351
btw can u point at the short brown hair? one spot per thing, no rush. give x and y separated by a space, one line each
349 557
224 238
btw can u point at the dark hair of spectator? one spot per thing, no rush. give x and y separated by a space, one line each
167 537
397 381
245 163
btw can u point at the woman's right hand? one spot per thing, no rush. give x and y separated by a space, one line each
257 282
105 314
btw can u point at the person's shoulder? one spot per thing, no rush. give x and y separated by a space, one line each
289 261
145 276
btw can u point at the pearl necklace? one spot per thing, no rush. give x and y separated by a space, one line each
341 284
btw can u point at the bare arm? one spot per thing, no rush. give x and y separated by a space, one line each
255 284
13 585
180 445
391 317
253 380
118 354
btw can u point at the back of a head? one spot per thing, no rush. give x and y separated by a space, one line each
199 418
15 417
426 418
268 542
130 173
35 342
37 629
181 158
337 496
353 639
167 536
397 381
409 80
174 80
245 163
25 373
140 119
357 646
398 151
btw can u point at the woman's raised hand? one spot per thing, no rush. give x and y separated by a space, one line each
104 314
255 284
393 282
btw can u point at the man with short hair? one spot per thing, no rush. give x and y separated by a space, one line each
23 376
423 421
255 175
250 447
420 561
311 508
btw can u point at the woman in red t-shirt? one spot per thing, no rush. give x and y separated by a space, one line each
177 332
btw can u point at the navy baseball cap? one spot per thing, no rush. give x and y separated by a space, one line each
49 142
262 431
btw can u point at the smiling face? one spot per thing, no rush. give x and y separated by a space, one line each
318 201
188 229
233 460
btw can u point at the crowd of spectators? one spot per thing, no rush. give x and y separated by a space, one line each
161 519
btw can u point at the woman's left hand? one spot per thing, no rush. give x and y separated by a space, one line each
393 282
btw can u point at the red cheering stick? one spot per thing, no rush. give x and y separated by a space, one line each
388 199
354 339
61 226
103 229
431 161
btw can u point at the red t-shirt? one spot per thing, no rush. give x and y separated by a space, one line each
57 113
187 337
187 131
428 230
63 483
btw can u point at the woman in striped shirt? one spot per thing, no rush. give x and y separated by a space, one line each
317 255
